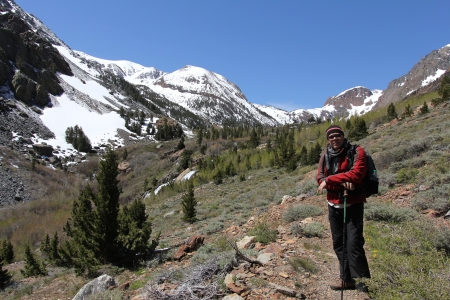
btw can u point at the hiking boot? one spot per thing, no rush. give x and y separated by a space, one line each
337 285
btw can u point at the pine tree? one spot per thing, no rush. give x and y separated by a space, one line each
303 156
189 204
218 176
145 184
358 130
314 154
185 159
391 112
199 136
269 145
254 140
83 249
95 231
6 252
76 137
45 246
180 144
33 267
134 233
230 170
408 112
54 253
424 109
107 205
141 117
348 125
124 153
5 277
444 88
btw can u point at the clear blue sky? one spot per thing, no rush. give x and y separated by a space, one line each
287 53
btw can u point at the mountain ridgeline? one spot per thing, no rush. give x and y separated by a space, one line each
36 68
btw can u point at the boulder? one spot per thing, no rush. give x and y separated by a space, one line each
43 150
264 258
283 290
23 87
232 297
245 242
124 167
178 179
191 245
98 285
41 98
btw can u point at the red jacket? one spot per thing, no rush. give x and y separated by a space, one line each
355 175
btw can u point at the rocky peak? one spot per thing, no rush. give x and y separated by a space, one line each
429 68
354 96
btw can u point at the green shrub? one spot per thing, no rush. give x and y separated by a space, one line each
437 199
392 154
242 177
386 178
415 162
309 188
407 175
388 213
303 263
213 228
405 263
421 144
441 240
208 252
263 232
33 266
436 101
301 212
313 229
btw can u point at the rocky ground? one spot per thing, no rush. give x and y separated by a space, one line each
274 279
277 279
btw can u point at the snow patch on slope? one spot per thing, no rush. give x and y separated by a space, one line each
432 78
98 128
278 114
369 103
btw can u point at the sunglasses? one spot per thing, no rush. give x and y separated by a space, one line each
334 136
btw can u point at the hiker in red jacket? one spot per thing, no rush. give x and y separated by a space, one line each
335 174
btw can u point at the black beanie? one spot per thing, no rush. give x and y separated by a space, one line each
334 129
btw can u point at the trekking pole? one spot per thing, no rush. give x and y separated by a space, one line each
344 236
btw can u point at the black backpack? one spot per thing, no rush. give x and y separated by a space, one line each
370 181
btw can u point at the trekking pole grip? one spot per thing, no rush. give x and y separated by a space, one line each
345 192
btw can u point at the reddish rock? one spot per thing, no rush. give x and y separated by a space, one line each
276 249
124 286
236 289
191 245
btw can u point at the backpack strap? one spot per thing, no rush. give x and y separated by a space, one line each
351 155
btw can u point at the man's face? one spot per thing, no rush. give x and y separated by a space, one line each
336 140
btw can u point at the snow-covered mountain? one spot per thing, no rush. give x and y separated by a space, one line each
61 87
206 94
354 101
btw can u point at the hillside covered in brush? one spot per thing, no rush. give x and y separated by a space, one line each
250 181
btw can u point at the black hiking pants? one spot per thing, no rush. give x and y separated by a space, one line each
356 265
